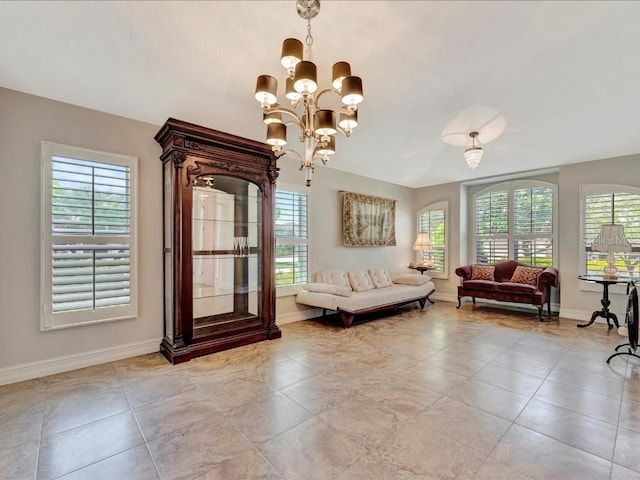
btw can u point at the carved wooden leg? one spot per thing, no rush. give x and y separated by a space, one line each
540 312
458 303
549 307
422 301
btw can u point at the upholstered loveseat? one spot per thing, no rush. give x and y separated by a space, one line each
509 281
364 291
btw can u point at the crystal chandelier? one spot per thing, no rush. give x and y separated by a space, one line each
317 126
474 154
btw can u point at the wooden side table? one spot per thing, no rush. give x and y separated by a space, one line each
420 268
605 302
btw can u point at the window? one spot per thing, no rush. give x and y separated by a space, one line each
432 220
292 238
515 220
88 236
603 204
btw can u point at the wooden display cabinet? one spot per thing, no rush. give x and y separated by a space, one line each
219 241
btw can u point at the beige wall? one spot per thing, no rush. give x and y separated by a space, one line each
325 224
25 121
576 302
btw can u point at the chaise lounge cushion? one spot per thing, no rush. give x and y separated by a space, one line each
411 279
360 281
380 277
328 288
335 277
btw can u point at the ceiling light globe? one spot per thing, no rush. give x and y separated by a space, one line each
472 156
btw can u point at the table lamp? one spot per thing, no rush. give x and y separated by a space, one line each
422 244
611 239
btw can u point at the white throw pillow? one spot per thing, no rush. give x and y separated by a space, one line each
411 279
380 278
360 281
327 288
335 277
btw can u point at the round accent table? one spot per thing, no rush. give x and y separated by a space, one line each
605 312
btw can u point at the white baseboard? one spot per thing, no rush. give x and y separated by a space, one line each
27 371
578 315
282 319
444 297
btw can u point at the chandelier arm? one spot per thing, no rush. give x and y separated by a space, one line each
326 90
288 150
288 111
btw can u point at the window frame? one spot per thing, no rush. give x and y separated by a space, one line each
591 190
53 321
444 207
292 289
510 186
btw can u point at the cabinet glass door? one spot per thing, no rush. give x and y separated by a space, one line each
226 216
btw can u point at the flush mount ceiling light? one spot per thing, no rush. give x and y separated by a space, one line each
317 126
474 154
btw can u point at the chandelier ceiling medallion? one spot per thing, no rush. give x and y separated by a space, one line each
317 126
474 154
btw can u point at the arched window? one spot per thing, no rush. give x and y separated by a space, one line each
516 220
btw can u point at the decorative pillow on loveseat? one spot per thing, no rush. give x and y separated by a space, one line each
482 272
360 281
411 279
328 288
380 278
526 275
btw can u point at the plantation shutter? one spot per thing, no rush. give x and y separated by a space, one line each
492 227
620 208
291 238
90 203
433 223
533 226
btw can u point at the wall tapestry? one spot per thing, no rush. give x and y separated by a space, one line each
368 221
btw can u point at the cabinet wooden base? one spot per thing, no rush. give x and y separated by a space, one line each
177 355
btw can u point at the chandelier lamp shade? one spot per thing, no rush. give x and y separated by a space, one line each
611 239
317 126
474 154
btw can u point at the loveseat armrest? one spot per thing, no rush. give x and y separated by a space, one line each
549 276
464 272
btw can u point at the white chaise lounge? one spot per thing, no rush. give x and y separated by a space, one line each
352 293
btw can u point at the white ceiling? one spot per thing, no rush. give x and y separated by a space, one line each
545 83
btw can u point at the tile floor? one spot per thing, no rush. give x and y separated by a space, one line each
476 393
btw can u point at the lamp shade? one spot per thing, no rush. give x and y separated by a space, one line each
277 134
291 93
423 242
352 90
325 122
348 122
305 79
329 147
266 90
340 71
291 53
611 239
272 117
